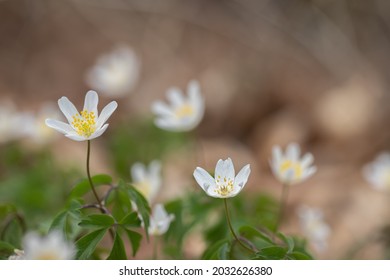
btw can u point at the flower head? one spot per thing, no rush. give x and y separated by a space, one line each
225 184
314 227
115 73
159 220
84 125
290 168
183 113
377 173
49 247
147 179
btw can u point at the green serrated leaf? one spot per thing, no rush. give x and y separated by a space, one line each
299 256
131 220
224 252
98 220
84 187
288 240
250 232
118 251
272 253
143 207
6 249
87 244
212 252
135 240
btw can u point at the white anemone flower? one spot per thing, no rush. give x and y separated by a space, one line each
85 125
377 173
116 73
183 113
147 179
225 184
50 247
160 220
289 168
314 227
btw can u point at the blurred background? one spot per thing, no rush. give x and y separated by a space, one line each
271 71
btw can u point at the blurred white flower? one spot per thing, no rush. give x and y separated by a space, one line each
377 173
159 220
14 125
18 255
290 168
147 179
116 73
85 125
314 227
50 247
225 184
183 113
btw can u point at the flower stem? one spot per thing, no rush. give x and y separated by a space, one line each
232 230
155 247
101 206
283 203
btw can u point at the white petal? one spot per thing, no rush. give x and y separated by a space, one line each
67 108
138 172
242 178
307 160
98 132
212 192
155 177
225 169
175 97
106 113
309 172
277 157
293 151
169 124
91 102
204 179
75 137
59 126
160 108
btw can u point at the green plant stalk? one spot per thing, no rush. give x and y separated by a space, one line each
283 203
101 206
232 230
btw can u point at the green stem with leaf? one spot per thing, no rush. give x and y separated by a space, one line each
232 230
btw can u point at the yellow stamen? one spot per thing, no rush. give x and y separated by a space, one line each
84 123
186 110
295 166
224 188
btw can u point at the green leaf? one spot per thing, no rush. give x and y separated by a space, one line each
288 240
131 220
250 232
272 253
213 251
224 251
87 244
67 221
6 249
143 207
135 240
98 220
299 256
118 251
84 187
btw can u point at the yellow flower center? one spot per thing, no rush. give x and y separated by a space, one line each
84 123
224 186
186 110
291 165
